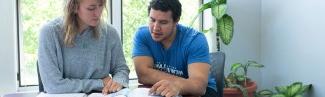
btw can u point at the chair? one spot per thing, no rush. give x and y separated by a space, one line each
217 60
40 84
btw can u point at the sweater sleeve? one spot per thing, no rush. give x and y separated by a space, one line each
51 66
120 71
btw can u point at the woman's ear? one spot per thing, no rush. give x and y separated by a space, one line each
76 9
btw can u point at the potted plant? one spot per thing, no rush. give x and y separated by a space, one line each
237 83
223 24
296 89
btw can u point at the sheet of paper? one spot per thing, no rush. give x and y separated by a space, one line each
122 93
102 95
62 95
141 92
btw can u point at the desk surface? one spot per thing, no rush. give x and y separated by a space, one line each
27 94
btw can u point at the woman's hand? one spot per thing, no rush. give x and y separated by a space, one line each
110 86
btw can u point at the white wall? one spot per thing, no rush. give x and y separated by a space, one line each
246 40
8 58
293 43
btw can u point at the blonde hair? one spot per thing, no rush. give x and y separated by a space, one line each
71 22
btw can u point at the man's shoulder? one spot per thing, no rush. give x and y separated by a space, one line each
189 31
190 34
142 32
143 29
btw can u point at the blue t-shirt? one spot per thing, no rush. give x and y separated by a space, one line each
189 46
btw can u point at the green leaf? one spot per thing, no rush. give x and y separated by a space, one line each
205 6
225 28
201 9
281 89
294 88
298 96
304 89
240 77
218 10
265 93
222 1
278 95
207 30
254 64
235 66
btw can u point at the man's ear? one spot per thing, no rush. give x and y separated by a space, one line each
177 20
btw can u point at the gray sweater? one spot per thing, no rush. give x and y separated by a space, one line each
82 67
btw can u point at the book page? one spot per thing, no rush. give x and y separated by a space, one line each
141 92
62 95
102 95
122 93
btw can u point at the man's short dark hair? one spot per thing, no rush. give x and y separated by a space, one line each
165 5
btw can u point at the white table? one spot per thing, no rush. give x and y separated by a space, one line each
21 94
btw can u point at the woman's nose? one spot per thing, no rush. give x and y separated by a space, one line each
97 12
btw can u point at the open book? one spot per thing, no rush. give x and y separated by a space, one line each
138 92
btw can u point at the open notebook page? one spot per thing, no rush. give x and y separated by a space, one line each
62 95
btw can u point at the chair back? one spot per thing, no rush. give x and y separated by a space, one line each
40 84
217 60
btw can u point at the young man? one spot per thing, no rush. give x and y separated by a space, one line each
174 59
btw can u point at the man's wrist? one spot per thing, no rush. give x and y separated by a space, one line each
180 85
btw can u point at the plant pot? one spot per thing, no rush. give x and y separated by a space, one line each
234 92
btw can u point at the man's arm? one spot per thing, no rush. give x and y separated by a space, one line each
146 73
197 81
194 85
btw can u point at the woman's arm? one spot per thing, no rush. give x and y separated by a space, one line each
119 69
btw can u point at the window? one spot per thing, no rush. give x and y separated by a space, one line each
32 15
135 14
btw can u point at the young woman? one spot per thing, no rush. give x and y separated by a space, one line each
81 53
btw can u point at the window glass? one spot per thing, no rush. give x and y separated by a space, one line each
33 14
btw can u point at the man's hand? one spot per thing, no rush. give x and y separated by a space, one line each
110 86
166 88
